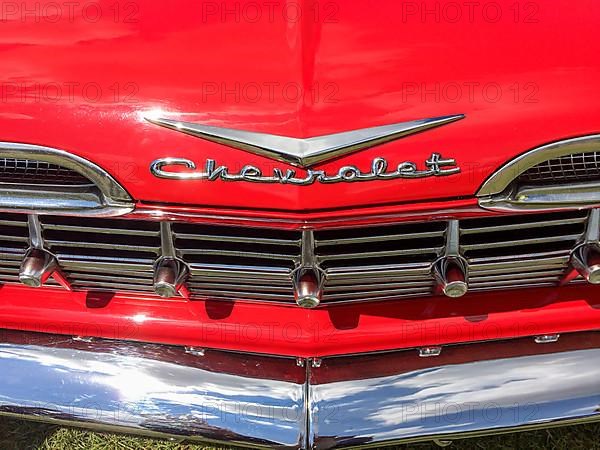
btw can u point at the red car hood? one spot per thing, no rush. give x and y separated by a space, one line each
81 79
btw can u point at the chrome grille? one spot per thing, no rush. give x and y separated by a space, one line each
257 264
227 262
14 241
29 171
13 244
520 251
379 263
568 168
104 254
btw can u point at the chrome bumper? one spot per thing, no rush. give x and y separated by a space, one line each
270 401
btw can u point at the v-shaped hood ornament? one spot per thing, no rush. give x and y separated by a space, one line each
305 152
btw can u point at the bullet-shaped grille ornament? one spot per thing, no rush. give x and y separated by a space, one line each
307 289
37 266
450 271
586 260
170 272
38 263
308 277
169 277
451 277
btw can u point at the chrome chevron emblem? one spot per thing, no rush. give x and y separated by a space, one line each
305 152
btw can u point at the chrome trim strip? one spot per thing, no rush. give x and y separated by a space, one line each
301 152
502 178
318 403
545 198
105 198
295 221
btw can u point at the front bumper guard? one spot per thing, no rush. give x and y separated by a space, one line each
264 401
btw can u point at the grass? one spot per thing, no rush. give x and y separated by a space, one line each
22 435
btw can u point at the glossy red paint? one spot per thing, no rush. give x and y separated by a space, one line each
80 79
293 331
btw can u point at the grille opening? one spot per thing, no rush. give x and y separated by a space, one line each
101 253
513 237
524 250
568 168
238 261
28 171
108 224
13 239
370 246
211 230
410 245
13 232
418 256
58 236
391 261
530 234
382 231
87 274
78 277
71 258
366 246
238 247
17 219
498 221
199 245
73 237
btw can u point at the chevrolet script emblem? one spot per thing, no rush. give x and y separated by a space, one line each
305 153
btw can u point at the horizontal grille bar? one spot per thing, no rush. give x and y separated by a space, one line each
264 272
474 279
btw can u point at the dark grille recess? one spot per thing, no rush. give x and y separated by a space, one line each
568 168
27 171
360 264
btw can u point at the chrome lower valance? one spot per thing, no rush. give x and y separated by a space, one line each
263 401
